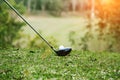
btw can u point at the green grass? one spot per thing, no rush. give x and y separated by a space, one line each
21 64
58 27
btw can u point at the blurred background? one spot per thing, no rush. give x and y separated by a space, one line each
81 24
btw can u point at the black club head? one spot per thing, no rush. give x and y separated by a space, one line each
63 52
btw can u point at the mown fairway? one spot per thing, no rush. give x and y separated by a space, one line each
22 64
59 28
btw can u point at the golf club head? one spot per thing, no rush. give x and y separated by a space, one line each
63 52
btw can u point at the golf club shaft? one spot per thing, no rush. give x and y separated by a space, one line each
27 23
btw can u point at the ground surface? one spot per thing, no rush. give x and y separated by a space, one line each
17 64
58 27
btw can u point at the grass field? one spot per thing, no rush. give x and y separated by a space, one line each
20 64
57 27
60 27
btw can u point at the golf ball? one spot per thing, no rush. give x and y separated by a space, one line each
61 47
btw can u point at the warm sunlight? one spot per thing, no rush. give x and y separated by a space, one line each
107 2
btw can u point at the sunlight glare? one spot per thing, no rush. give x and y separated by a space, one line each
107 1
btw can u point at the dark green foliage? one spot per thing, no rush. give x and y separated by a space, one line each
9 26
17 64
55 7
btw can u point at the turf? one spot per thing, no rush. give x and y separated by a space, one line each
25 64
58 27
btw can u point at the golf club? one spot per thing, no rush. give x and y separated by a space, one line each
60 52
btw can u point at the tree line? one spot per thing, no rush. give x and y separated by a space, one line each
55 5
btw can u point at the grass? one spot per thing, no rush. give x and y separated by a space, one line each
21 64
57 27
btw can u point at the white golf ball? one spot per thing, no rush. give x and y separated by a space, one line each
61 47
